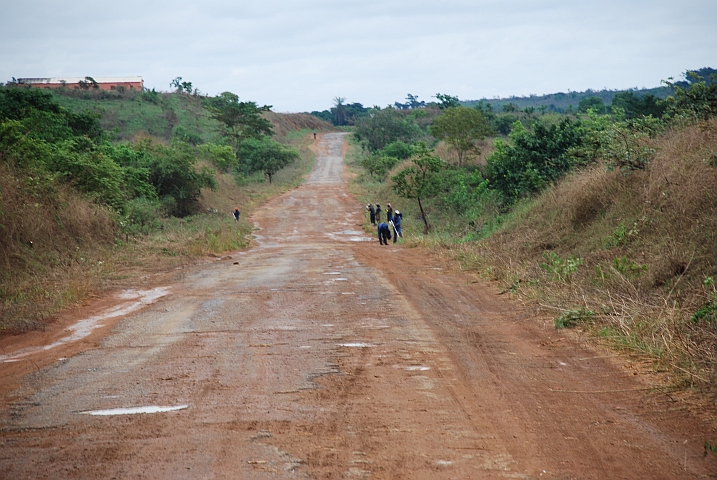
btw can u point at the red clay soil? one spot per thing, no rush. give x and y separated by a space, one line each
320 354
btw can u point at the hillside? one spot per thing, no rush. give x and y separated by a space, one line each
80 214
604 222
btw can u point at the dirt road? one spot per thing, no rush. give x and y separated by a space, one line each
320 354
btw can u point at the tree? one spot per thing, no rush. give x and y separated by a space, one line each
418 180
446 101
382 127
635 107
239 120
699 98
339 111
266 155
534 158
462 128
594 102
88 83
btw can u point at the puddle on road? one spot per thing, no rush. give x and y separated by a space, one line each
332 273
417 367
355 345
134 410
340 279
85 327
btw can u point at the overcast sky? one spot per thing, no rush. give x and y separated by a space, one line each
299 55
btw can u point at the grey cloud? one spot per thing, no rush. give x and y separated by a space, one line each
298 55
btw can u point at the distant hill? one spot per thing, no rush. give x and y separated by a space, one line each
560 102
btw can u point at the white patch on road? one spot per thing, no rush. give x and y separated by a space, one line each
355 345
134 410
85 327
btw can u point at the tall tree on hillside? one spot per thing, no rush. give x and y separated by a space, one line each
239 120
462 128
418 181
339 111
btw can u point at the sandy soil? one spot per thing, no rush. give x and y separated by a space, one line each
320 354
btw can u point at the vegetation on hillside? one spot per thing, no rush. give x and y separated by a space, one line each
80 188
607 217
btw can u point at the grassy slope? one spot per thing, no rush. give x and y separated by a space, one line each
647 241
77 250
131 114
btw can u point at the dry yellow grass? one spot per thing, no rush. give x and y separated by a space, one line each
647 241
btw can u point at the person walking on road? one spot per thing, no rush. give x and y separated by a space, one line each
236 213
371 213
389 213
378 212
384 234
397 217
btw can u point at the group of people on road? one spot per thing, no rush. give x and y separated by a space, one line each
393 221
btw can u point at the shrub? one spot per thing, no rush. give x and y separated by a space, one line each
533 159
572 317
560 269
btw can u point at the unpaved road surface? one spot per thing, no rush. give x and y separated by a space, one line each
320 354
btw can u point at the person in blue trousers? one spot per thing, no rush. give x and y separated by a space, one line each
384 233
397 231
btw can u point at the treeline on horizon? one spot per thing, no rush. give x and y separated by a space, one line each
643 101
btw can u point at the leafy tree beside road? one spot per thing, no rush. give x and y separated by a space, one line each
266 155
418 180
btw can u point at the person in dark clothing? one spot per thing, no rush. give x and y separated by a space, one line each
389 213
371 213
236 214
384 233
378 212
397 217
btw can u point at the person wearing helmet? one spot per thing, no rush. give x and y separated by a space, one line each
236 214
384 233
397 217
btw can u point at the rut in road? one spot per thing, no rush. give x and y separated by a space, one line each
320 354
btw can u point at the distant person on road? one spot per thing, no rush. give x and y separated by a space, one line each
236 214
389 213
378 212
397 217
384 234
371 214
314 135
